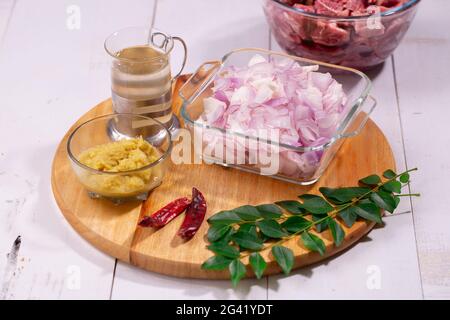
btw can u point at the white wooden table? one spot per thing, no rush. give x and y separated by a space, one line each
53 69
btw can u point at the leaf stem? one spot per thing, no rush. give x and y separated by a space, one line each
283 216
332 214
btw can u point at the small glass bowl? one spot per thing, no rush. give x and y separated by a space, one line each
124 185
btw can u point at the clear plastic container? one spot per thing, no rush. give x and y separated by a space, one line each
359 42
268 156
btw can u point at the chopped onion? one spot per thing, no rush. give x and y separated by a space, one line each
303 104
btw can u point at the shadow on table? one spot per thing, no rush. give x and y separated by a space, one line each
150 285
374 72
308 271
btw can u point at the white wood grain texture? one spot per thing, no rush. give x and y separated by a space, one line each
210 28
391 251
134 283
58 73
51 74
422 65
6 7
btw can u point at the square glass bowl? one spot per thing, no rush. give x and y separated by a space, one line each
266 155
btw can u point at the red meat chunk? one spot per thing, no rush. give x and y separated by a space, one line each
331 8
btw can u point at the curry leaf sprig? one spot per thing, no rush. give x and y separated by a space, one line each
246 231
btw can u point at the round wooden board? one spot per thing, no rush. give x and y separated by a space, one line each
113 229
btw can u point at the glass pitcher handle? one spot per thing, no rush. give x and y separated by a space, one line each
184 58
153 39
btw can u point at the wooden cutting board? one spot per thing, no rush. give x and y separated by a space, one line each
113 228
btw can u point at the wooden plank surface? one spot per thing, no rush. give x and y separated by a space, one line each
113 228
51 74
394 263
210 29
6 9
422 65
388 119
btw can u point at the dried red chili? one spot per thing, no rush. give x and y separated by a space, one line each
166 214
195 214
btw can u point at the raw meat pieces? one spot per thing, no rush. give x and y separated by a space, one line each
346 32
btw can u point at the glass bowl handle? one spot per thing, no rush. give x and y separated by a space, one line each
199 80
369 106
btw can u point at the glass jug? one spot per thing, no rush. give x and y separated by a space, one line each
141 81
